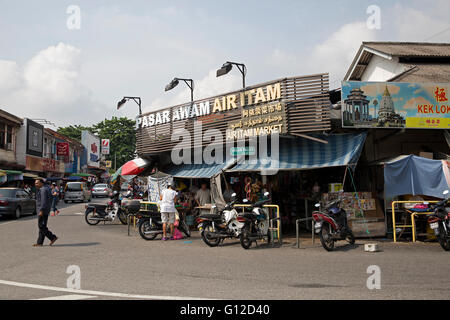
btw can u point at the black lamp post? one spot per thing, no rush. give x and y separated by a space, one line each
227 66
176 81
125 99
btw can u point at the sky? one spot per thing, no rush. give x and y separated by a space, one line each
71 71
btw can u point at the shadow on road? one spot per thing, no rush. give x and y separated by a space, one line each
83 244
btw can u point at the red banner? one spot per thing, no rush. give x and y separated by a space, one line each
62 149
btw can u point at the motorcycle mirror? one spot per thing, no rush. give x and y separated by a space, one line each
317 205
445 192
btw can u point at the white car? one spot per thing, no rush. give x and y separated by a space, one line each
101 190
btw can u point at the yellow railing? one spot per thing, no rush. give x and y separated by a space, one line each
278 218
413 214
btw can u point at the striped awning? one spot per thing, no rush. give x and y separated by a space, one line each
301 153
198 171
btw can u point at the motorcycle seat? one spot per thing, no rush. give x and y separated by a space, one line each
98 206
251 216
211 216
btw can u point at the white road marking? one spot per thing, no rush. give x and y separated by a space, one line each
68 297
96 293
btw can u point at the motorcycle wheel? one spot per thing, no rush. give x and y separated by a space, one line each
143 226
122 217
88 215
246 243
185 229
444 241
350 237
212 242
325 237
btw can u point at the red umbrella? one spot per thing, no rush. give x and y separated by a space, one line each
134 167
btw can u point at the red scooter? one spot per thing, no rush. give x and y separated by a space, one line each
331 225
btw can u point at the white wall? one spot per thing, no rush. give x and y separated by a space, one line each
381 69
21 143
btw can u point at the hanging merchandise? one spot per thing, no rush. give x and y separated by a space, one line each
156 184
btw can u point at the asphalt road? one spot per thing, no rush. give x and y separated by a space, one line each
116 266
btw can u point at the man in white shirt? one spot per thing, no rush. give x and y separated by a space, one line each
168 199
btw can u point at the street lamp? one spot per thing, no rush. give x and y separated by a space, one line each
227 66
125 99
176 81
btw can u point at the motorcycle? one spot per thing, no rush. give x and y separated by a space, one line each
331 225
95 213
150 225
215 228
256 223
440 222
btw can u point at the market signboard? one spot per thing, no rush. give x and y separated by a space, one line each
260 120
395 105
92 146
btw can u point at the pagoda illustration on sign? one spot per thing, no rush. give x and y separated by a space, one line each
357 110
387 117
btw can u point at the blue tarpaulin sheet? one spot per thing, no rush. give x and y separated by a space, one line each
415 175
301 153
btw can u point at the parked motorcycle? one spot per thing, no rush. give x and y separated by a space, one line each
440 222
215 228
150 225
256 223
95 213
331 224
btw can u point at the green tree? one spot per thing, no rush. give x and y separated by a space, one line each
73 132
122 136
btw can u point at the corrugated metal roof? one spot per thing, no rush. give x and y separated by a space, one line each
425 73
411 49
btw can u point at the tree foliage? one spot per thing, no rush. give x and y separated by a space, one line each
120 131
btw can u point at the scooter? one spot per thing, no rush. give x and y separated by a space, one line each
150 225
96 213
215 228
331 225
256 223
440 222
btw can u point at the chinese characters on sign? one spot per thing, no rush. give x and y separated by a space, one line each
260 120
62 149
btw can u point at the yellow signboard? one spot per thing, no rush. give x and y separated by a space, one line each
108 164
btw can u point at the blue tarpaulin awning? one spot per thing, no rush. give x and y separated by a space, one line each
198 171
302 153
417 176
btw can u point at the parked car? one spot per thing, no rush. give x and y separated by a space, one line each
77 191
124 189
101 190
16 202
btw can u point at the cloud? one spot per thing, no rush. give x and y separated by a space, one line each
378 89
334 55
207 87
10 76
48 87
413 24
414 102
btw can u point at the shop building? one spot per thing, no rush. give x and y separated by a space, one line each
9 126
273 136
403 90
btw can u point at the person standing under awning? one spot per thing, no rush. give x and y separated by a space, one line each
203 195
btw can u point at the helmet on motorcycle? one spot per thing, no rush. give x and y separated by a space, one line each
334 210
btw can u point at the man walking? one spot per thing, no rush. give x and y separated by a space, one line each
43 204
